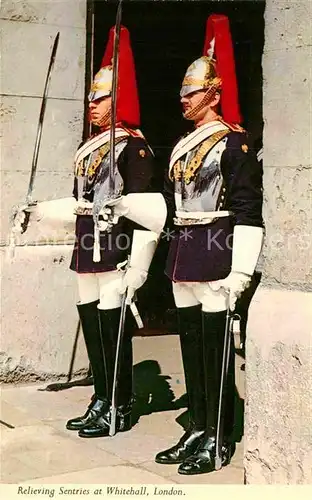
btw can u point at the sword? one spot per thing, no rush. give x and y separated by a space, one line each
112 425
114 101
224 372
99 202
29 201
87 127
121 328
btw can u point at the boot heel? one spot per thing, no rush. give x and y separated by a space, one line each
124 422
228 451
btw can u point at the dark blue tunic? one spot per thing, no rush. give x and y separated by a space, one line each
137 169
204 253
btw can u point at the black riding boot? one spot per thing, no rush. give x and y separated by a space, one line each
109 321
189 322
203 460
89 318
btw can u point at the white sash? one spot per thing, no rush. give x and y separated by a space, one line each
195 138
97 142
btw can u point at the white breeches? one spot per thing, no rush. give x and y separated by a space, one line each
188 294
104 287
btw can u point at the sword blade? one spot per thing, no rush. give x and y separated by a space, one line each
87 126
114 100
29 200
112 427
224 372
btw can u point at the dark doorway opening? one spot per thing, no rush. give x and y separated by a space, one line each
166 37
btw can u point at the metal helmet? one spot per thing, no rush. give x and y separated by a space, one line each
215 70
200 75
128 108
102 84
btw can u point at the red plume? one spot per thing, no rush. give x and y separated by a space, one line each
128 107
218 28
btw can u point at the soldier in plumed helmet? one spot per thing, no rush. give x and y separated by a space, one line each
213 193
114 216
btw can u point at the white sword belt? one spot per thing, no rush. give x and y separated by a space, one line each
196 218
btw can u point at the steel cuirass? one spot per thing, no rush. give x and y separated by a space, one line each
200 190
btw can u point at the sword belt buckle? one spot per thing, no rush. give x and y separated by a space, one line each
178 221
87 209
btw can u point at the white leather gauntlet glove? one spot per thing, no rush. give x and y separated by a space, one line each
234 284
118 206
247 243
57 213
146 209
132 280
144 244
18 221
23 214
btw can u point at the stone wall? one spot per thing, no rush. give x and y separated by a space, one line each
38 290
278 418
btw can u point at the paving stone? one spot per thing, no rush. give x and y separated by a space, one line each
14 471
47 405
47 452
165 349
16 417
155 424
238 457
120 474
165 471
133 447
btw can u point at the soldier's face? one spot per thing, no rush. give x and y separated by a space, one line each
195 106
191 101
99 110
